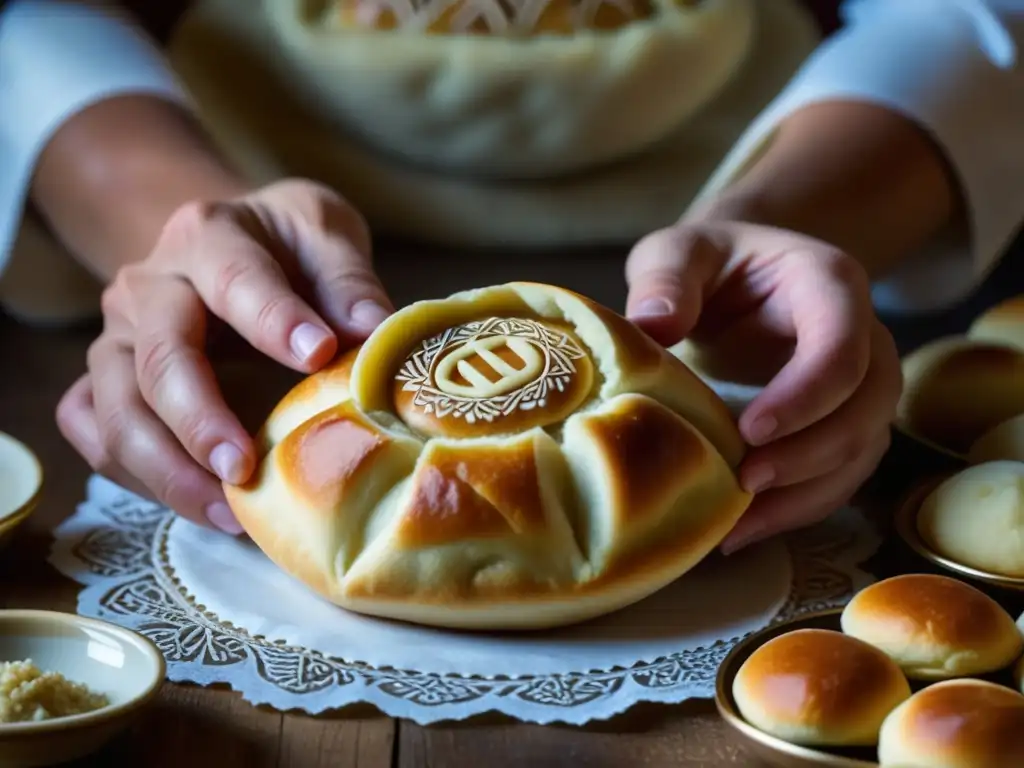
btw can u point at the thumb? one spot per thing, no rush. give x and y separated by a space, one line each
668 273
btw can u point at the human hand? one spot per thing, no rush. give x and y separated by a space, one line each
820 426
288 267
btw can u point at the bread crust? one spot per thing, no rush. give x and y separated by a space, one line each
543 516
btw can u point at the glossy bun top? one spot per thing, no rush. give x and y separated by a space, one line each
817 687
956 724
934 627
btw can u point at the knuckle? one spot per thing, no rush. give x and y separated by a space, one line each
156 358
114 432
273 315
193 429
176 487
189 219
231 277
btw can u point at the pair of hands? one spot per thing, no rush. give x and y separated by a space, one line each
289 268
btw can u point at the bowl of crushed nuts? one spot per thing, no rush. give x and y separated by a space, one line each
68 685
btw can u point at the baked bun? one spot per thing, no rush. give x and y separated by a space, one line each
934 627
816 687
957 389
510 457
1002 324
955 724
489 89
1003 442
976 518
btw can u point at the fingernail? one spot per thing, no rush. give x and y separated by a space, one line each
655 306
761 431
367 314
221 516
306 339
228 462
758 478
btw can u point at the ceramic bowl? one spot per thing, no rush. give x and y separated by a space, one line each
106 658
21 478
769 749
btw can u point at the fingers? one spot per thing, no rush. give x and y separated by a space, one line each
334 248
347 288
177 382
829 305
137 442
241 283
796 506
840 437
668 273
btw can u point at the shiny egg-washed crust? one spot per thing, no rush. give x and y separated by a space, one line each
934 627
501 106
956 389
518 530
956 724
817 687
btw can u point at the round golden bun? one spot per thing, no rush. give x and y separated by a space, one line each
1002 324
516 104
976 518
956 389
1003 442
494 17
816 687
509 457
955 724
934 627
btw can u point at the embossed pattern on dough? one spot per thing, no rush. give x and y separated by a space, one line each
491 387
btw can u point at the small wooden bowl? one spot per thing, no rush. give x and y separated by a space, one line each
906 528
772 750
21 479
106 658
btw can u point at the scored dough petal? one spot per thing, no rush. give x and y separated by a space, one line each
324 389
481 524
326 479
660 496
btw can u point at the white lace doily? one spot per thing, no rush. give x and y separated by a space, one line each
117 546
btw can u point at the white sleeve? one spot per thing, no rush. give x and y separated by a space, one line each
955 68
56 59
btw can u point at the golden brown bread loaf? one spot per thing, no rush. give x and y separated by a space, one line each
955 724
934 627
510 457
956 389
976 518
1002 324
816 687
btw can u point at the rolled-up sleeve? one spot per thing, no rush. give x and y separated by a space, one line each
56 59
954 67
